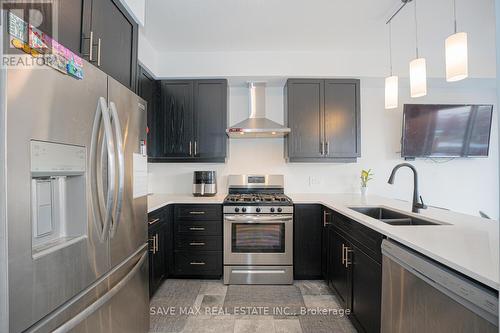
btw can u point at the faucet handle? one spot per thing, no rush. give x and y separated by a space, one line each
421 204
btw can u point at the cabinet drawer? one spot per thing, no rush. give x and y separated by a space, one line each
198 263
155 218
366 238
198 227
198 212
198 243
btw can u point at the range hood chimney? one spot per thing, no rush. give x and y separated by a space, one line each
257 125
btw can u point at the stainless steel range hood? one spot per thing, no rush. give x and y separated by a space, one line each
257 125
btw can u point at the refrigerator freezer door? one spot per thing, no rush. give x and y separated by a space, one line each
116 303
130 231
44 105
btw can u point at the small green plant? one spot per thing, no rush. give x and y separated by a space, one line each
366 175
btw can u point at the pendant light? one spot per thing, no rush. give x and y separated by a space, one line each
391 82
418 68
456 53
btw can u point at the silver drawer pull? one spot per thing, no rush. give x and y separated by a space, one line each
197 244
197 228
153 221
197 263
197 213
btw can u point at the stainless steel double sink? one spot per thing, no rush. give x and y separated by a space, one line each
392 217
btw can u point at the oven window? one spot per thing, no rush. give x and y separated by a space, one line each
258 237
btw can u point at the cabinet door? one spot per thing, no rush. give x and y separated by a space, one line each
118 33
326 220
366 290
175 120
66 28
147 89
342 118
210 112
341 275
70 16
305 118
307 225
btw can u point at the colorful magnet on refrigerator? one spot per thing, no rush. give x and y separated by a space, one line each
18 28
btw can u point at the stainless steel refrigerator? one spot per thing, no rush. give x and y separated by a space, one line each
74 205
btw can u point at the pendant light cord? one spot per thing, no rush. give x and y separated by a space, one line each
390 47
455 14
416 29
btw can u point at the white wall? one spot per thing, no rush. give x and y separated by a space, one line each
136 8
497 10
466 185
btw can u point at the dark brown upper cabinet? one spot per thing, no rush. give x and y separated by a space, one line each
113 46
190 123
148 89
324 116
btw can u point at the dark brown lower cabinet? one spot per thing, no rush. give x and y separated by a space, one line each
157 255
341 273
197 251
307 249
354 270
366 290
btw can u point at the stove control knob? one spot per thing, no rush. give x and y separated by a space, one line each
236 209
244 210
272 210
257 210
280 210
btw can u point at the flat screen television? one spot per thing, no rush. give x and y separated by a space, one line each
446 130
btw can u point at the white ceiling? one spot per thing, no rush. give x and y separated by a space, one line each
257 25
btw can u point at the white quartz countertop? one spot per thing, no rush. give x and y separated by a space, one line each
467 244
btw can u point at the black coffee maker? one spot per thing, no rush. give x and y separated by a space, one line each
204 184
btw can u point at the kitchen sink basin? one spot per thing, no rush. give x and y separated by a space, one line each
392 217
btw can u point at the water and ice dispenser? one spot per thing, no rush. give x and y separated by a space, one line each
58 195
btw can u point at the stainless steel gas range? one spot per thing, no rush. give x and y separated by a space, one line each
258 231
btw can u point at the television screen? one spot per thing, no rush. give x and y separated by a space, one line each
446 130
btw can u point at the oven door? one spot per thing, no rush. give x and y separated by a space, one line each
258 239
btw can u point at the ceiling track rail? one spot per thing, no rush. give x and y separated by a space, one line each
404 3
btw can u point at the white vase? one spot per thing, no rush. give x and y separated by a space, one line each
364 190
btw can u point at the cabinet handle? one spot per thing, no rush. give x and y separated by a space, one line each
156 243
327 148
190 148
98 52
197 228
195 147
197 244
197 263
343 254
199 212
91 45
152 249
347 261
325 214
153 221
322 148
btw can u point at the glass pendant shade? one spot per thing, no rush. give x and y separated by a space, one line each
418 77
391 92
456 57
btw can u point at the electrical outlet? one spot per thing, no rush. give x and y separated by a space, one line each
314 181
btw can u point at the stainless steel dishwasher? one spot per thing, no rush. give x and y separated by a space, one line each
420 295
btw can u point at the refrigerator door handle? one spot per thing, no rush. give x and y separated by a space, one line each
73 322
121 168
96 203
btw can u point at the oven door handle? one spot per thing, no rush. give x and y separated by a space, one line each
250 219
